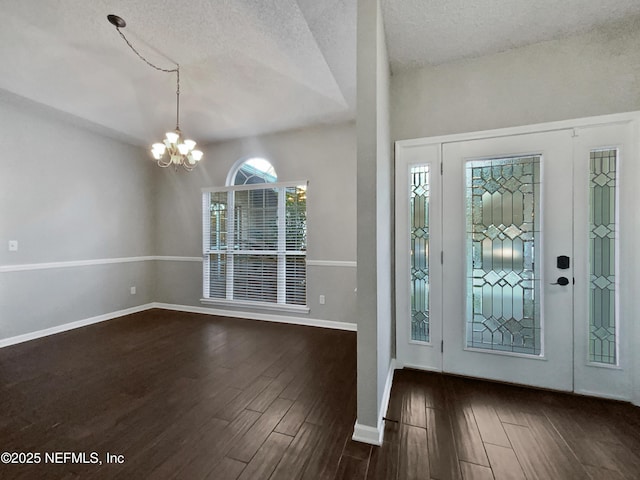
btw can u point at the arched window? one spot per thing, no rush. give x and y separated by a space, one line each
252 171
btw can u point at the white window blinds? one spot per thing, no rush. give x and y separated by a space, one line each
255 242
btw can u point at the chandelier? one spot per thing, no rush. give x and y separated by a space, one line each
174 149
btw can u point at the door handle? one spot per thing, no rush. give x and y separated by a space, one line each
561 281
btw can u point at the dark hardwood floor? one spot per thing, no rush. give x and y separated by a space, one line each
448 427
189 396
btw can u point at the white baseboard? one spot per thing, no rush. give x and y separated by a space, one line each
267 317
589 393
386 394
5 342
367 434
400 365
375 435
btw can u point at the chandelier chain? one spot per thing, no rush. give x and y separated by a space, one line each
178 98
144 59
174 150
167 70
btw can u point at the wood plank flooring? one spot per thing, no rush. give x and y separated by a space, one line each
190 396
484 430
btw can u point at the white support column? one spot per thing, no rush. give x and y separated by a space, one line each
374 225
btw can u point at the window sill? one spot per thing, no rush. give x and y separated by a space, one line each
274 307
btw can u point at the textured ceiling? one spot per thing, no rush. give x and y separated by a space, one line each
430 32
247 66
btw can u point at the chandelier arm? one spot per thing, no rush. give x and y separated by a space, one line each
162 163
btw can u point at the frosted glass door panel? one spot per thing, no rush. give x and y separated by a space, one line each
602 257
419 219
502 204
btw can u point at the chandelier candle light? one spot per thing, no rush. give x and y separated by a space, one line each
174 149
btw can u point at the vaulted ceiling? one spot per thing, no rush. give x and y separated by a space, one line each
248 66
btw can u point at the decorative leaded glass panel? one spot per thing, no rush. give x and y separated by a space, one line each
502 204
602 254
419 207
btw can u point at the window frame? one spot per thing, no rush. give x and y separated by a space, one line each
237 166
281 252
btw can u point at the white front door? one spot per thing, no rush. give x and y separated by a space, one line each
508 256
508 211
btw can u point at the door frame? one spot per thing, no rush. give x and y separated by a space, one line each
630 272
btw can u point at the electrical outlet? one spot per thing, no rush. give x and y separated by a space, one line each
133 290
321 300
13 245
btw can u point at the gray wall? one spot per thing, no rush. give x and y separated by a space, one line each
68 194
585 75
374 214
326 157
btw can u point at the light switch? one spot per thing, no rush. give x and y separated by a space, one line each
13 245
